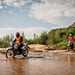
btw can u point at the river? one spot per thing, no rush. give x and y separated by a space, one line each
49 63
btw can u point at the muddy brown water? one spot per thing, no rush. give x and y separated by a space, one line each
39 64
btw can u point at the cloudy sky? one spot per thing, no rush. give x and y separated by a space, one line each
34 16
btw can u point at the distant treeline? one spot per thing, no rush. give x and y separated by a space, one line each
54 38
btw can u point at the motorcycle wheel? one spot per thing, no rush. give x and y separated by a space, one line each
10 53
25 53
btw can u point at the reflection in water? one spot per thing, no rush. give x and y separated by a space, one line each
70 59
58 64
18 67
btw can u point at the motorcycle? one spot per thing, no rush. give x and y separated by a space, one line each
12 52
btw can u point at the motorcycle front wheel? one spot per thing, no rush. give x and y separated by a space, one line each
25 53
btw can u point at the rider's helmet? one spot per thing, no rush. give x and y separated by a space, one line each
17 34
70 34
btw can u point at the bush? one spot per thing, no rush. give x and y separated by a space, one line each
62 44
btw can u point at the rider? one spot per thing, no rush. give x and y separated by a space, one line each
71 41
18 41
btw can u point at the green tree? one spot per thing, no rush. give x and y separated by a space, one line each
43 38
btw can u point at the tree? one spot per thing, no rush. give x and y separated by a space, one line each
43 38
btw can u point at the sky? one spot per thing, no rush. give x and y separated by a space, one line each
35 16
